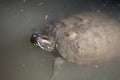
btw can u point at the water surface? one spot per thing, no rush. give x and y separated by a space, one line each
20 60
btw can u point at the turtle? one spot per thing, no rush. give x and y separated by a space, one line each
85 38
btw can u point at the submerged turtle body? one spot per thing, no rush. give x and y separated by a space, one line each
87 39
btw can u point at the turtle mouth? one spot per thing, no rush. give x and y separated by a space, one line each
42 41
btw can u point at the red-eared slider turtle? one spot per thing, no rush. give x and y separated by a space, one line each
83 39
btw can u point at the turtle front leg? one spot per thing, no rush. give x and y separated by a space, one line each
57 67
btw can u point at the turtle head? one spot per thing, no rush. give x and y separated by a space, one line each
43 41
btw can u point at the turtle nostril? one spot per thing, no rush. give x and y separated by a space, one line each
33 38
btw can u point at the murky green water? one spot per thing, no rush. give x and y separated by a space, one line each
20 60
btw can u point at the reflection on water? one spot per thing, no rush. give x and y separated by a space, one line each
19 60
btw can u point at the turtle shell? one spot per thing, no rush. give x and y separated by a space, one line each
87 38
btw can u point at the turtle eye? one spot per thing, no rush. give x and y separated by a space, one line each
34 35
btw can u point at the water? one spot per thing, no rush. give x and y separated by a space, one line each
20 60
